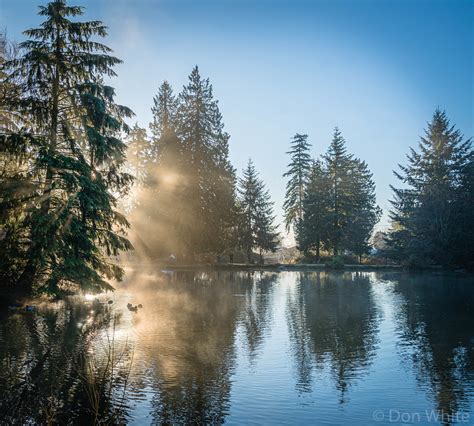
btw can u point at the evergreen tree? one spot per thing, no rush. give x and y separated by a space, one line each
256 223
15 180
298 171
74 136
312 234
426 213
339 208
9 119
338 164
210 179
161 195
138 147
364 213
163 124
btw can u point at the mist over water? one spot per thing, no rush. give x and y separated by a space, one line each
250 347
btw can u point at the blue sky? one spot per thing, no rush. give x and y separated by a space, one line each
377 69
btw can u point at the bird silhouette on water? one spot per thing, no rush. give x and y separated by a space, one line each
135 308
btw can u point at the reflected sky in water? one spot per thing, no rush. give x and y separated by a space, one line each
240 347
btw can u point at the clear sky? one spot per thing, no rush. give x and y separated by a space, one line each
375 68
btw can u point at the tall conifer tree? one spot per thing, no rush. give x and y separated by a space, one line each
163 123
75 135
256 224
426 214
312 234
210 178
297 174
364 212
338 165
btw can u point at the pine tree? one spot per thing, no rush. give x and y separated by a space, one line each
339 207
138 147
75 129
256 223
163 124
298 171
161 195
364 213
425 212
9 119
266 237
338 165
312 234
210 178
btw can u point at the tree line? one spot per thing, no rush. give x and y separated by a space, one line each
64 168
190 194
68 160
330 201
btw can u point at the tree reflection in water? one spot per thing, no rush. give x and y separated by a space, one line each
332 321
192 336
54 368
187 340
435 320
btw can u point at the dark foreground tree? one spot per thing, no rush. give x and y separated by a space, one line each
297 174
70 227
256 209
432 215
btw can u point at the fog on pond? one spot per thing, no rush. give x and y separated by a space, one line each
246 347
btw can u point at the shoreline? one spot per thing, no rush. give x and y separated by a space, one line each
303 267
276 267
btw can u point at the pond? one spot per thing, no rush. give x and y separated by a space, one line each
355 348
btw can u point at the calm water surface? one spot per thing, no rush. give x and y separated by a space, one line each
248 348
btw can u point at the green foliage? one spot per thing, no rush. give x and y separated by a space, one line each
256 229
190 196
74 155
312 231
432 215
297 174
336 262
339 207
164 113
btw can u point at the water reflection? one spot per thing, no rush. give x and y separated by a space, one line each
256 316
435 319
332 321
186 334
46 373
213 347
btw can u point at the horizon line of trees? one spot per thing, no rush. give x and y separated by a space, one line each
68 159
64 172
330 201
189 193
